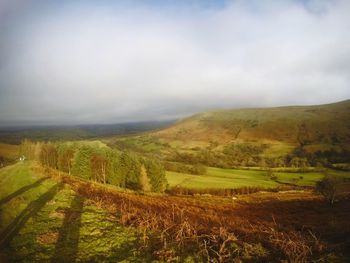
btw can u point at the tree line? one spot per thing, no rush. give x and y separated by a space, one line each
246 155
99 163
196 169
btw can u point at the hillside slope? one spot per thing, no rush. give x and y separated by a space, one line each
297 125
44 220
50 218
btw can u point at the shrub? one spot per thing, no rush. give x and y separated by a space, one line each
329 187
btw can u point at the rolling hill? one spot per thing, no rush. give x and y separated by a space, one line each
303 125
318 134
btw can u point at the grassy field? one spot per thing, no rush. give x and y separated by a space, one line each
234 178
221 178
43 220
307 179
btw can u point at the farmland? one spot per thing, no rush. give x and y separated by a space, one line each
235 178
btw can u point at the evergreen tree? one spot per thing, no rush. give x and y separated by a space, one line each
115 175
81 163
129 168
156 173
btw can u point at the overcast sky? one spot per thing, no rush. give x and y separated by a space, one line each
74 62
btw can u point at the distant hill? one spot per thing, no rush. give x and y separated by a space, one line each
14 135
296 125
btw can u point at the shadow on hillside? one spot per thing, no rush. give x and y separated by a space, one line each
22 190
32 209
68 238
331 223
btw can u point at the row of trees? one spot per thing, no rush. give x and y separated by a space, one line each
197 169
100 164
236 155
237 159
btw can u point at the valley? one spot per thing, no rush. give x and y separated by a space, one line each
216 187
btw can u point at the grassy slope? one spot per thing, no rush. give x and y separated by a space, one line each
50 222
323 127
43 220
234 178
281 126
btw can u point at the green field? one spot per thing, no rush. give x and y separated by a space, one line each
234 178
43 220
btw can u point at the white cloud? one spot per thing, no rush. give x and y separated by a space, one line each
115 63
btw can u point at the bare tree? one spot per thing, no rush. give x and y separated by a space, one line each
329 187
98 167
144 180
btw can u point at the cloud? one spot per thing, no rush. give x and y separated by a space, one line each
84 62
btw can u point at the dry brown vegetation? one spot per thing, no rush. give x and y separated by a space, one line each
8 154
291 226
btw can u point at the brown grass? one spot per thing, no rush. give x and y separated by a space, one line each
9 151
261 227
47 238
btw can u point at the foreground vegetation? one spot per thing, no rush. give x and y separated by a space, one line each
44 220
66 218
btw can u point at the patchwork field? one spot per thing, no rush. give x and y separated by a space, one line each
235 178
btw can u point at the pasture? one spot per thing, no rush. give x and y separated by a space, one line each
236 178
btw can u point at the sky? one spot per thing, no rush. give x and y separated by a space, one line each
104 61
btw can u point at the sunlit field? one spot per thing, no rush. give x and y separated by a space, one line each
235 178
